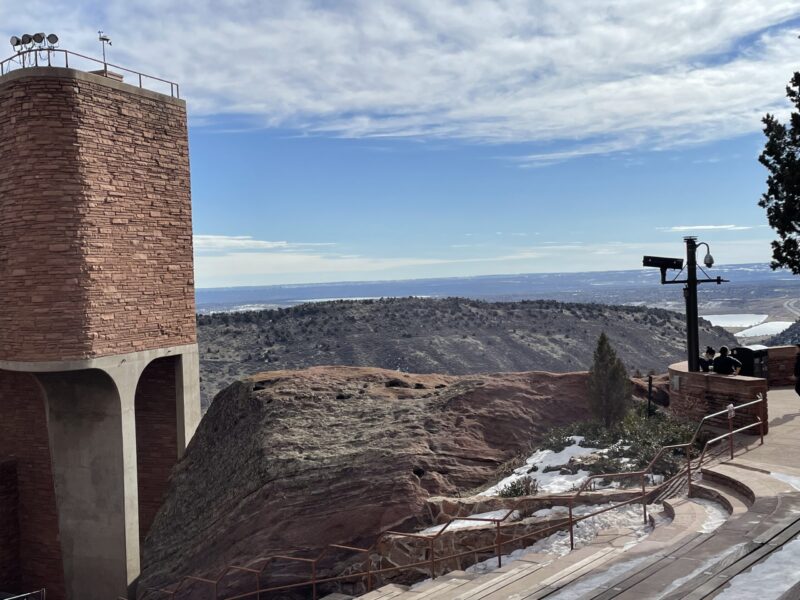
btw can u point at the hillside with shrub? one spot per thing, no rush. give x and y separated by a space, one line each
425 335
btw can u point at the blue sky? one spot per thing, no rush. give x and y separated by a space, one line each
364 140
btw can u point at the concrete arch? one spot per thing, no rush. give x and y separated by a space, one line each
92 441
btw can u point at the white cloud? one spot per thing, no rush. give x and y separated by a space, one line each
204 242
231 266
576 78
679 228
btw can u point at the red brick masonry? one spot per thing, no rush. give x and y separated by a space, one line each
24 441
95 218
156 436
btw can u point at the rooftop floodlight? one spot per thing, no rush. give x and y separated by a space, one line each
15 41
52 39
38 38
27 39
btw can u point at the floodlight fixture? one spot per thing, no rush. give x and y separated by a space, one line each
690 290
52 39
15 41
38 38
27 39
661 262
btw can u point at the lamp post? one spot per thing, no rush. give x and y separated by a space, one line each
689 291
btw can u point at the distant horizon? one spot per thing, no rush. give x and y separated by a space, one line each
456 277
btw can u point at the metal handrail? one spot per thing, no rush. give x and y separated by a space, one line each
45 57
432 560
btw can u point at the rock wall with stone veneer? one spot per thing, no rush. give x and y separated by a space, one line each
780 365
24 440
9 526
695 395
95 218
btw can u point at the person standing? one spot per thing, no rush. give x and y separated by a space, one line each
726 365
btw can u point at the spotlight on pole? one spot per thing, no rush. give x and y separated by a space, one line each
689 291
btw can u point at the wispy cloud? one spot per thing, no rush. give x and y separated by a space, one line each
228 243
681 228
570 79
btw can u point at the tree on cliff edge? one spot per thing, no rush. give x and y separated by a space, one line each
609 388
781 157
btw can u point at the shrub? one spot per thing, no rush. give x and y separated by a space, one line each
524 486
609 388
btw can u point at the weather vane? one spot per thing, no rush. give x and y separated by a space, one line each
104 39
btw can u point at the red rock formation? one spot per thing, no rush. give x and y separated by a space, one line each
295 460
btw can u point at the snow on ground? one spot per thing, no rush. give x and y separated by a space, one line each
741 320
771 328
460 524
552 482
769 579
716 515
704 566
557 544
792 480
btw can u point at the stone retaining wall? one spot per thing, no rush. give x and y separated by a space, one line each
780 365
695 395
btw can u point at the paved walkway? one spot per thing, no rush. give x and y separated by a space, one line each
781 449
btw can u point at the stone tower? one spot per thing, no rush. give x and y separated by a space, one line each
98 354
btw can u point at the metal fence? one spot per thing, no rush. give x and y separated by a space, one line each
56 57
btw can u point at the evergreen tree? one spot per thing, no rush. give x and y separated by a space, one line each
609 388
781 157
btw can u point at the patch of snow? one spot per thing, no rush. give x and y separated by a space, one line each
739 320
716 514
461 524
585 531
703 567
792 480
771 328
552 482
769 579
584 585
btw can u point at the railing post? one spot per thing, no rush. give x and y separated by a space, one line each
571 533
313 582
497 544
369 574
689 469
731 413
644 500
433 559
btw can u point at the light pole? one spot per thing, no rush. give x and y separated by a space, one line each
689 291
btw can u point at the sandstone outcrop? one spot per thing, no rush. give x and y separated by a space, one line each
290 461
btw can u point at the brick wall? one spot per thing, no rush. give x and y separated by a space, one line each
95 218
695 395
156 436
9 528
23 439
780 365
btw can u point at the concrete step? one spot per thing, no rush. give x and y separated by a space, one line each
337 596
735 502
385 592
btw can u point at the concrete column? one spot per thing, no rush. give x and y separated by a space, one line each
187 401
92 434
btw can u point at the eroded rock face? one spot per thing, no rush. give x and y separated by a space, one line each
291 461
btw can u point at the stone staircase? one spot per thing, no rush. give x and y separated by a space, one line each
676 561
